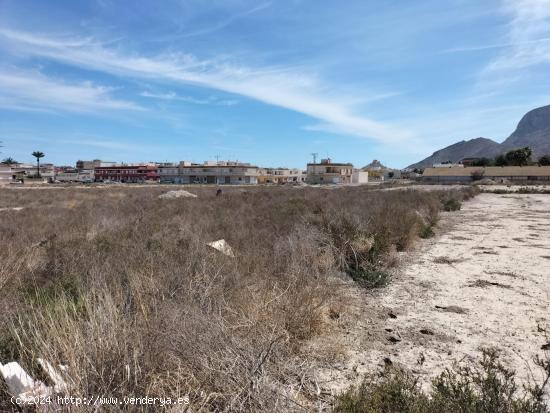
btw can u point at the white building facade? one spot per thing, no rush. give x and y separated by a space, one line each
6 174
218 173
80 176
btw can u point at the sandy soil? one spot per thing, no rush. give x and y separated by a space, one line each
485 282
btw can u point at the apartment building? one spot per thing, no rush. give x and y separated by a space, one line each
328 172
127 173
280 175
170 174
91 165
210 172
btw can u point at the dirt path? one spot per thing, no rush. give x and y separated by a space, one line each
485 282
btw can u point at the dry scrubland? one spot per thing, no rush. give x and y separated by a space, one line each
120 286
481 285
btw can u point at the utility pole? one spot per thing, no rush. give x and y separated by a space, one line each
217 169
314 157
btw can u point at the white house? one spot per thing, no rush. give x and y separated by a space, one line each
6 174
360 177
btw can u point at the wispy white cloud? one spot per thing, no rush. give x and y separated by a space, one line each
226 22
527 36
35 92
495 46
94 142
288 88
211 100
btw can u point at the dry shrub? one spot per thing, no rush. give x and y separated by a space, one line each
485 386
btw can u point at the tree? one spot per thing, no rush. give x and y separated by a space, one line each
544 160
518 157
482 162
9 161
500 160
38 155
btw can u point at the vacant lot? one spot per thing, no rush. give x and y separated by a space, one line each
120 285
483 282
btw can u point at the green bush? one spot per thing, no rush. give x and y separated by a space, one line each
486 387
426 231
370 278
452 204
396 392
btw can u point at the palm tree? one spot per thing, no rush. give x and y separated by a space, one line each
9 161
38 155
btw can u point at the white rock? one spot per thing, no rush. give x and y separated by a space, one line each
21 384
12 209
177 194
222 246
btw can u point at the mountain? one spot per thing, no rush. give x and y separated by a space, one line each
533 130
474 148
374 165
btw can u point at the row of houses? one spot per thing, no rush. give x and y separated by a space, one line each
209 172
238 173
468 174
233 173
21 171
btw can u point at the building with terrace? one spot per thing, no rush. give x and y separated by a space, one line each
328 172
127 173
210 172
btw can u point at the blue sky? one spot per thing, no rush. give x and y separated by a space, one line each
267 82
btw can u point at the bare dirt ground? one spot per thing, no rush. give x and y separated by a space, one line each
485 282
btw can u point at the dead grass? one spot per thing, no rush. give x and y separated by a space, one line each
121 287
452 309
447 260
486 284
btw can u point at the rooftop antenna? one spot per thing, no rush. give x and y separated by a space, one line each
314 154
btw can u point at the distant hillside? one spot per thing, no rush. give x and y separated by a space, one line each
533 130
375 164
474 148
